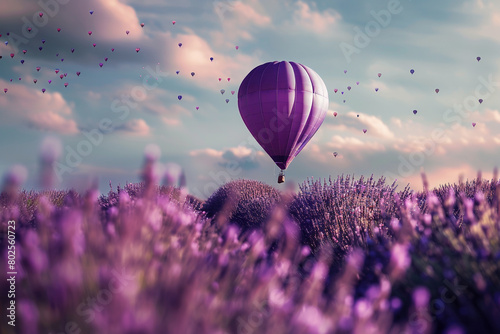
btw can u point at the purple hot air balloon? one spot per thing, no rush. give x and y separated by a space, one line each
283 104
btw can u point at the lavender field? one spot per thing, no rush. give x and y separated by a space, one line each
343 255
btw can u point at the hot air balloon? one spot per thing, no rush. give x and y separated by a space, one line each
282 104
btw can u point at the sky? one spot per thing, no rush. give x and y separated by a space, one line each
125 100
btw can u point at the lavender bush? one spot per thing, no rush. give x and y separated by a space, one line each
153 264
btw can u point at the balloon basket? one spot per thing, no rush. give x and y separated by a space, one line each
281 177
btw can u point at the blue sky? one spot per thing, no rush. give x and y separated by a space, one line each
138 91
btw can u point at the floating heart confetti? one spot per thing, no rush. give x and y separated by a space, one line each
173 22
38 69
197 108
480 101
43 90
91 12
232 92
137 50
58 29
227 100
24 51
473 125
127 32
364 130
211 58
376 89
78 73
192 74
335 90
56 70
72 50
5 90
180 44
436 90
40 14
335 114
142 25
379 75
94 45
179 97
100 64
35 80
414 112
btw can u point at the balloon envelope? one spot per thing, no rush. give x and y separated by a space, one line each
282 104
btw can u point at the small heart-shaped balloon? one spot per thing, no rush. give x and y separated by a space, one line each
478 58
197 108
72 50
179 97
65 74
220 79
192 74
101 64
61 76
22 61
56 70
127 32
177 72
211 58
106 59
236 47
228 79
137 50
335 90
376 89
412 71
345 71
480 101
222 91
35 81
357 83
24 51
5 90
379 75
112 50
29 29
90 32
227 100
58 29
335 114
436 90
43 90
232 92
40 14
348 87
91 12
50 81
335 154
38 69
142 25
78 73
173 22
65 84
473 125
414 112
364 130
40 48
180 44
11 55
94 45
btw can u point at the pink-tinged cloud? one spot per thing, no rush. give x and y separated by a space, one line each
309 18
354 144
137 127
373 124
47 112
443 175
206 152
